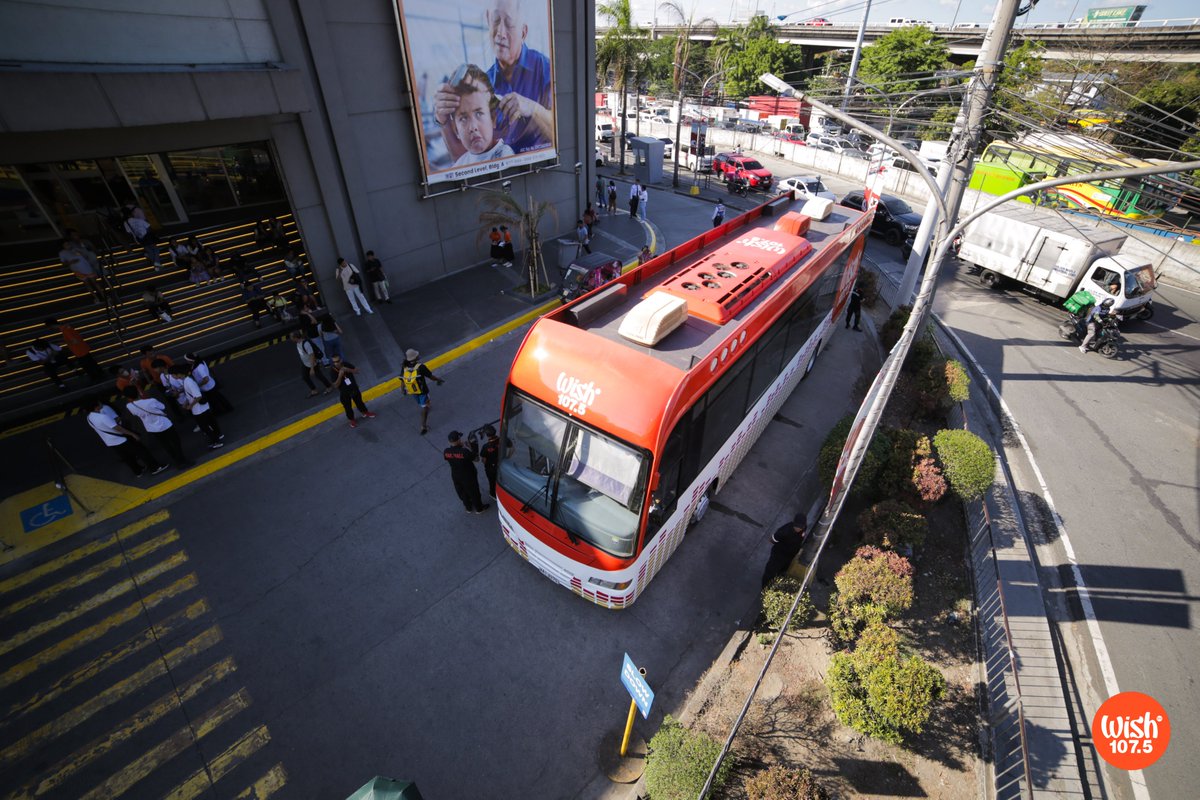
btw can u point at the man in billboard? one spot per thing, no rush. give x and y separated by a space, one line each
520 78
475 117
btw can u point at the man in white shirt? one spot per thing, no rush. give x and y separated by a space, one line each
311 364
137 227
50 357
208 384
125 443
352 280
193 400
158 425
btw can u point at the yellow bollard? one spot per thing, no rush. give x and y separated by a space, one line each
628 727
695 190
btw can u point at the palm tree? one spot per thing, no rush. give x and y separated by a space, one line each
525 219
619 50
687 23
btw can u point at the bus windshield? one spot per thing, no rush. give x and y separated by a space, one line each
589 484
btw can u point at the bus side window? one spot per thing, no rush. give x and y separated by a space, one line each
768 361
666 493
726 408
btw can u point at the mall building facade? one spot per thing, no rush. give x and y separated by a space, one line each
195 109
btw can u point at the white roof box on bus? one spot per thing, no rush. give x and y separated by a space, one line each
818 208
651 320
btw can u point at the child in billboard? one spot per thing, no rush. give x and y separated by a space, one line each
475 118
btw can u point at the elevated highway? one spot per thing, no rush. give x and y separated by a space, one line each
1176 40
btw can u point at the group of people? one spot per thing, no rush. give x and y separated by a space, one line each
152 400
502 246
353 279
463 454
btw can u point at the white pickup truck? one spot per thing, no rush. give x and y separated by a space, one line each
1055 255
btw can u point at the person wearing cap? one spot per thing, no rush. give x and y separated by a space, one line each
461 459
414 379
785 544
489 453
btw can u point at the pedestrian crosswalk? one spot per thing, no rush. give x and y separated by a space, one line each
115 680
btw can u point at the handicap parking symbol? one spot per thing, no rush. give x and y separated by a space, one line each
43 514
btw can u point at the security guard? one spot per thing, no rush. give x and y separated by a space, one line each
461 459
490 453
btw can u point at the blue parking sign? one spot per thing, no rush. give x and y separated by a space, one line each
43 514
638 689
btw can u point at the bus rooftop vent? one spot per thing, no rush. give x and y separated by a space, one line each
793 223
818 208
651 320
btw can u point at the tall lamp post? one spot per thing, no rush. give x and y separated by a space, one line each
858 44
679 115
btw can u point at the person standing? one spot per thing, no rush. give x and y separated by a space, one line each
718 216
157 423
193 400
84 264
351 280
125 443
344 376
854 307
461 459
635 197
331 337
79 348
612 199
506 246
252 294
377 278
581 236
310 356
496 252
645 255
785 544
203 376
414 380
590 218
138 228
311 325
643 202
489 453
600 194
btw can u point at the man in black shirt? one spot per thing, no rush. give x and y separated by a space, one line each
785 544
348 390
854 309
461 459
373 268
490 452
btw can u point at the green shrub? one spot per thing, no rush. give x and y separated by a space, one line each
875 643
958 382
967 462
895 477
921 355
884 698
890 524
889 334
928 480
874 459
777 601
679 760
873 586
781 783
868 284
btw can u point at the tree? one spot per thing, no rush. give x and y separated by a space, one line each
1164 112
686 23
526 220
898 60
1019 92
619 51
759 55
940 124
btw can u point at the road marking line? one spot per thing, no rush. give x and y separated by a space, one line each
34 425
143 719
30 575
265 786
98 665
119 690
61 648
92 603
1107 672
159 755
90 574
1172 331
222 765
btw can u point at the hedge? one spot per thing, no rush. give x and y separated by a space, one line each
679 760
967 462
781 783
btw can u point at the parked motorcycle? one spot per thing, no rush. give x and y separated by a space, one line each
1106 342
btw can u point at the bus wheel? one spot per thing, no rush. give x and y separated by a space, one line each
702 507
990 279
811 360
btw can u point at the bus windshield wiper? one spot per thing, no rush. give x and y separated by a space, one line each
544 490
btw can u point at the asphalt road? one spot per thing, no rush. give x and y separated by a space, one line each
326 611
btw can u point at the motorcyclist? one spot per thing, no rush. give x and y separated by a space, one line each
1098 316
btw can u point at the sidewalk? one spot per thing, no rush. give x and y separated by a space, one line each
263 382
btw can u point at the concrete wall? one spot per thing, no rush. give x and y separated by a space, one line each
136 32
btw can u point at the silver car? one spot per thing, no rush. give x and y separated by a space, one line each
806 187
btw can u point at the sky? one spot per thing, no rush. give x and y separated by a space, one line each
849 12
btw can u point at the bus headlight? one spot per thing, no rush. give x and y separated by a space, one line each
610 584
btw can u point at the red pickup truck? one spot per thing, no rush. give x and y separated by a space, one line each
732 165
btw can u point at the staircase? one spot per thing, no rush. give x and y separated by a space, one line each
207 319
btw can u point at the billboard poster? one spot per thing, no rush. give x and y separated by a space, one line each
1113 15
482 75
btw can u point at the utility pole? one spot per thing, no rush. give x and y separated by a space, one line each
968 130
862 32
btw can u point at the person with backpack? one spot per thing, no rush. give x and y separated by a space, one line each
310 358
413 379
352 282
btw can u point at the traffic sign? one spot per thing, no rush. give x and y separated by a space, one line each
638 689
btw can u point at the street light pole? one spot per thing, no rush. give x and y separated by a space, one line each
862 32
679 117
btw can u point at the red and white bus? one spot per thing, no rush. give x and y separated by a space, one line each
629 408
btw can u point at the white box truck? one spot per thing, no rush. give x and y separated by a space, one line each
1055 255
